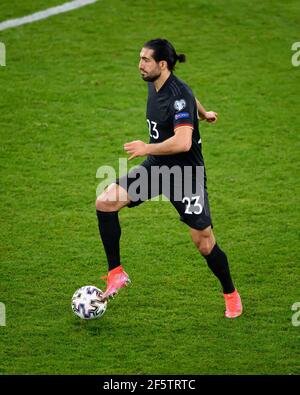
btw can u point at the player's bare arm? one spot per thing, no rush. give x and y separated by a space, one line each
180 142
209 116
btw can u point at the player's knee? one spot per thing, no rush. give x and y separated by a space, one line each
204 247
113 198
205 250
204 240
103 203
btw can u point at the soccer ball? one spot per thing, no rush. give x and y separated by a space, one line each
86 303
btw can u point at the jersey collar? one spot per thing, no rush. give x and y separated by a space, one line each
165 84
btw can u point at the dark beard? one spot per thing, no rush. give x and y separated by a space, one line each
151 78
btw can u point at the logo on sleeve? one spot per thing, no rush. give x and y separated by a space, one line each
182 115
179 104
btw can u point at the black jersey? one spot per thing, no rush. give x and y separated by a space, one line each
172 106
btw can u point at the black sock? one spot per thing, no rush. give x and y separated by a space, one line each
218 264
110 232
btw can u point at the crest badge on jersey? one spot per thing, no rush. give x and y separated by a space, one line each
179 104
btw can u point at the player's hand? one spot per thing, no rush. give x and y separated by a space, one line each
136 148
211 116
201 117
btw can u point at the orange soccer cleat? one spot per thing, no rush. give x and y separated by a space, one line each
234 307
116 280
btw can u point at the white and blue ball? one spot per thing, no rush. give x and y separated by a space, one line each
87 304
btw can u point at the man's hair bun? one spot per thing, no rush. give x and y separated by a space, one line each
181 58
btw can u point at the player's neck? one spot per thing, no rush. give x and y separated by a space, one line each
161 80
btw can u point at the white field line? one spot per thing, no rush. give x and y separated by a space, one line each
71 5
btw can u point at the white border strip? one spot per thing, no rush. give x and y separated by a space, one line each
71 5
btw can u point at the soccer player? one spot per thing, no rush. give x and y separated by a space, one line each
175 143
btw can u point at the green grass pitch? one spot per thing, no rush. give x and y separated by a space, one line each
71 96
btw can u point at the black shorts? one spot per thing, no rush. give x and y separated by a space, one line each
186 190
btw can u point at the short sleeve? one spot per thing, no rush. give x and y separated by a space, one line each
183 111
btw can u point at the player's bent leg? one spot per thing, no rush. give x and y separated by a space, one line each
217 261
108 205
